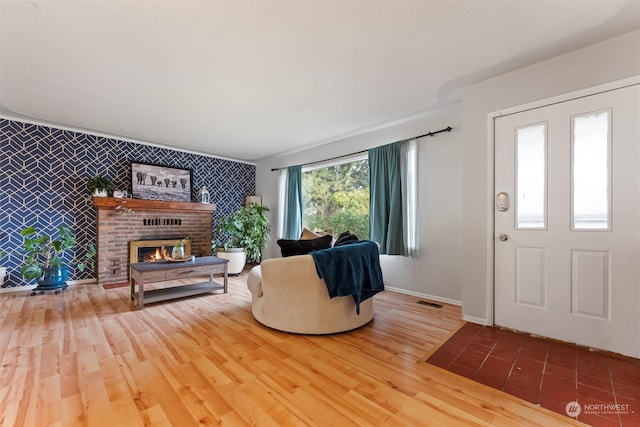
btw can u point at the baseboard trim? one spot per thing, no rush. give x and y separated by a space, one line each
425 296
32 287
82 282
478 320
18 289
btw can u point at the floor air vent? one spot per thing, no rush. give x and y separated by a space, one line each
430 304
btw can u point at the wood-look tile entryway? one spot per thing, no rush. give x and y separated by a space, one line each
548 373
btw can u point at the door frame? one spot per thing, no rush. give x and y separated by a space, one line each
491 144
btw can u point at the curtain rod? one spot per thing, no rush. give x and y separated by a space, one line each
447 129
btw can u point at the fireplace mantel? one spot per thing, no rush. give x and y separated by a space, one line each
152 205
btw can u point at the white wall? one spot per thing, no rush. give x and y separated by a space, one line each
437 273
601 63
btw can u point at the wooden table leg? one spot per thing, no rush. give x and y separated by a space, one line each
140 295
226 276
140 298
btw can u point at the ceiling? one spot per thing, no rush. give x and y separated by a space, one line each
248 79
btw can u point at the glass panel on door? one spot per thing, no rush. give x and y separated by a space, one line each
591 171
531 179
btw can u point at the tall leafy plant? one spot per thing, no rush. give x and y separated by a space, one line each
246 228
44 251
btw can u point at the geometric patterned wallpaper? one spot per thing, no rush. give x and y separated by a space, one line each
44 173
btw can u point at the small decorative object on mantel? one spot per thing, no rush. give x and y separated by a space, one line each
204 195
123 209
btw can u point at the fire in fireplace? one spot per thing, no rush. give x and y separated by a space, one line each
151 254
155 250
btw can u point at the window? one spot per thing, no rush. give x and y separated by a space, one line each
335 196
282 197
591 171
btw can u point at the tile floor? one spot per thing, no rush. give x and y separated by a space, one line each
547 373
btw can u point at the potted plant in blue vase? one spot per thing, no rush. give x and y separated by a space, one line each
44 258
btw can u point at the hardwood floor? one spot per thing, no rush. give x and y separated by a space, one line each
86 357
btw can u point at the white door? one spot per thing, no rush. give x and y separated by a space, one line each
567 224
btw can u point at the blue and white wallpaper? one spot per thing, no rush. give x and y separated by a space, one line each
44 173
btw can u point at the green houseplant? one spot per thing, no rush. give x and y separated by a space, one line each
246 230
100 186
44 257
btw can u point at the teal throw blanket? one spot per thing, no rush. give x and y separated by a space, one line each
350 270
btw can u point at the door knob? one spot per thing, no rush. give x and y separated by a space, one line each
503 237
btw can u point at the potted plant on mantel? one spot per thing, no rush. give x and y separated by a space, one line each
243 236
44 258
100 186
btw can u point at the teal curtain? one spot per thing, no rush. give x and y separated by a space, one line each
293 203
385 219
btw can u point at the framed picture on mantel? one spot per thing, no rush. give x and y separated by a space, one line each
159 182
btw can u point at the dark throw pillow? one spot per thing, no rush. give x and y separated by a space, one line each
346 238
303 247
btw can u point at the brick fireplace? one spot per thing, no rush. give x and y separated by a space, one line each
148 220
